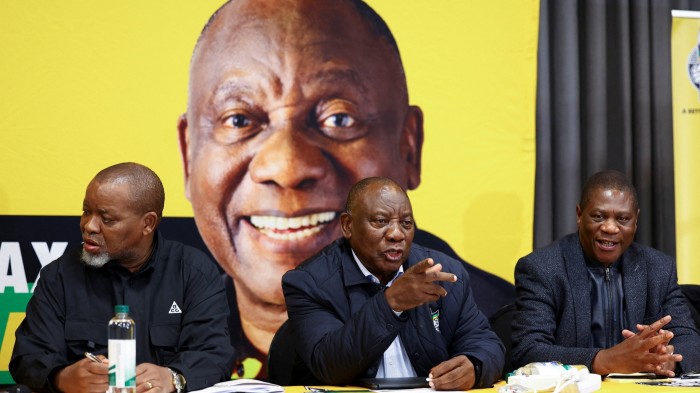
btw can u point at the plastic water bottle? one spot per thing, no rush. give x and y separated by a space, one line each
122 351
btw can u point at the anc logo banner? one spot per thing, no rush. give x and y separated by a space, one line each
685 73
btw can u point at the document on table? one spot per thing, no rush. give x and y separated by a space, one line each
679 382
242 386
634 377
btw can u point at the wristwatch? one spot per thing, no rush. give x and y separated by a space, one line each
178 381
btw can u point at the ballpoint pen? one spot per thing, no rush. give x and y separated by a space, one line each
92 357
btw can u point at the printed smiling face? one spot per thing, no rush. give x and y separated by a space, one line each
289 106
607 224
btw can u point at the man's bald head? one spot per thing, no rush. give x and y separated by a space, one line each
146 190
357 192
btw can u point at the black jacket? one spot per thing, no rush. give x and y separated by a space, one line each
342 323
72 305
553 319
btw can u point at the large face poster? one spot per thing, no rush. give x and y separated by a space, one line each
88 85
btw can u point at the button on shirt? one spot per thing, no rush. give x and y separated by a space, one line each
395 362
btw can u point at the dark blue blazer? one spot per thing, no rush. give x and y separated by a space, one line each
342 322
553 317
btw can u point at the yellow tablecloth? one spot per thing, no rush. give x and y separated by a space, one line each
607 387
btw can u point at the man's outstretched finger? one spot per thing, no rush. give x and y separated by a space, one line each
421 266
444 276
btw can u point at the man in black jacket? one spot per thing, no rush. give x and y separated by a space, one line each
175 296
373 304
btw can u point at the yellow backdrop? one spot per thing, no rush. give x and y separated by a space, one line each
685 42
89 84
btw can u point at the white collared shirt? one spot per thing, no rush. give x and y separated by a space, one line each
395 362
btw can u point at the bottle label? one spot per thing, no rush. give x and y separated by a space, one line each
122 363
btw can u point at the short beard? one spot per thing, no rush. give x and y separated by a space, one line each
95 261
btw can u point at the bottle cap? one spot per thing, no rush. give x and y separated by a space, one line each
121 308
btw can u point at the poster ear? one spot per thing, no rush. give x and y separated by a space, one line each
412 145
184 141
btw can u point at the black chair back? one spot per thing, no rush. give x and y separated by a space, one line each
284 366
692 297
501 324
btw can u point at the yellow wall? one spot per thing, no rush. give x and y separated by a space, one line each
685 34
89 84
86 84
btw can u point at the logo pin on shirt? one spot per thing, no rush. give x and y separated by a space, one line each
435 315
174 309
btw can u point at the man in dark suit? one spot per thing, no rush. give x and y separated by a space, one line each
371 304
597 298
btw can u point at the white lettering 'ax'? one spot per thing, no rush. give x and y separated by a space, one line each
174 309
